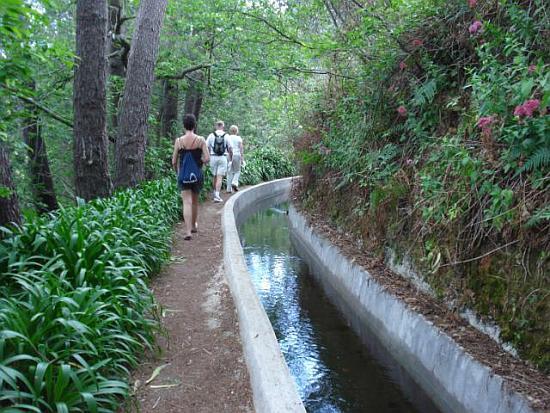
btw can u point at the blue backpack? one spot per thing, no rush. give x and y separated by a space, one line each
190 173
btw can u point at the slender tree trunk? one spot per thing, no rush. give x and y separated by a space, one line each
90 101
118 46
169 110
115 96
9 204
132 136
39 167
194 96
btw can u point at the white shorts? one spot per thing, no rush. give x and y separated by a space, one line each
218 165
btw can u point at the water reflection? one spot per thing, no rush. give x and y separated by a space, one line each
332 369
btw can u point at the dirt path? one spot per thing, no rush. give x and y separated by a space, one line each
202 353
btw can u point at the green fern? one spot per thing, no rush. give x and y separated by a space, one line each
539 216
425 94
539 159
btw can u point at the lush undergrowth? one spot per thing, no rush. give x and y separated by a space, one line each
440 148
75 309
266 164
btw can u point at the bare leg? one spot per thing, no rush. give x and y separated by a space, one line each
188 211
229 178
236 178
183 206
195 205
219 179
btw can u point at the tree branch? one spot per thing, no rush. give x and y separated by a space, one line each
37 105
44 109
313 72
275 29
125 19
186 71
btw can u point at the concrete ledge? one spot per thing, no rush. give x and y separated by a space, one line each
452 378
273 388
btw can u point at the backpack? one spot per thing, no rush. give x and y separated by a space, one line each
219 144
190 173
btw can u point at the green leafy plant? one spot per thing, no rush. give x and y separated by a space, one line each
75 309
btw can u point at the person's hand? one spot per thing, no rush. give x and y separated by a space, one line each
243 163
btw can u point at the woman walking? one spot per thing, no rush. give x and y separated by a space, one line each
237 159
190 153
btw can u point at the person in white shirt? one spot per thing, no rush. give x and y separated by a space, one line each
236 159
218 145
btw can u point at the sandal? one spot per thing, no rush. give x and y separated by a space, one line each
187 238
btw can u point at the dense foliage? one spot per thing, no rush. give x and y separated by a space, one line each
437 145
75 309
420 125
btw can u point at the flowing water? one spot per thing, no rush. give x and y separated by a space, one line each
334 369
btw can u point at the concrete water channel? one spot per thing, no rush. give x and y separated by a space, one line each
334 369
304 357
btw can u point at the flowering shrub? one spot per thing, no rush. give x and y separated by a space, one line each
446 153
527 108
485 123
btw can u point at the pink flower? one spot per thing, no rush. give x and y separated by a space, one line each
402 65
532 69
472 3
417 42
402 110
475 27
519 111
409 162
485 122
530 106
527 108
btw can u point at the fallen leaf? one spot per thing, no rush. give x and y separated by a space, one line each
156 372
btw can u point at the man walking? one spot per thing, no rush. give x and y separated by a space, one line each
218 146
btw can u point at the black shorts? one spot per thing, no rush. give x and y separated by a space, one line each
195 187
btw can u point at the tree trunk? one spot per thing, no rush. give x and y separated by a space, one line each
194 96
90 101
118 46
9 204
169 110
39 167
132 136
115 105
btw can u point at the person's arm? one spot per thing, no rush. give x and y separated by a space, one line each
175 157
241 147
205 152
207 142
229 149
